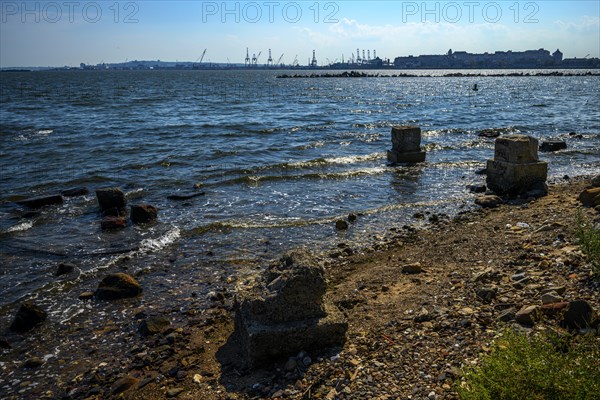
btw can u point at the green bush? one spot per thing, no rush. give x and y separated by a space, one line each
589 240
537 367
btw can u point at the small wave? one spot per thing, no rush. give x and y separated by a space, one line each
156 244
253 180
23 226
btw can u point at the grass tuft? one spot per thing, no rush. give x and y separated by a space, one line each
544 366
589 240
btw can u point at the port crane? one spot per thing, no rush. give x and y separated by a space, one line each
279 60
255 58
200 59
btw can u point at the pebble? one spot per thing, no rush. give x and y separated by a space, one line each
174 392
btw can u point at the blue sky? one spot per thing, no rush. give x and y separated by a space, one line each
67 32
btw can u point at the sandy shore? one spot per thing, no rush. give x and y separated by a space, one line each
409 333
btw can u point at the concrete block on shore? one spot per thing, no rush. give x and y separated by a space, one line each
520 149
516 169
406 145
286 313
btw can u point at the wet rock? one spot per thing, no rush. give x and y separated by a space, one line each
111 223
352 217
291 364
33 362
118 286
595 181
75 192
28 316
414 268
578 314
111 198
488 201
341 225
486 294
590 197
143 213
86 295
39 202
153 325
64 268
123 384
4 344
553 145
477 188
286 312
527 315
537 190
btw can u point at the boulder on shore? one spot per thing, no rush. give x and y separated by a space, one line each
28 316
590 197
286 312
111 198
143 213
118 286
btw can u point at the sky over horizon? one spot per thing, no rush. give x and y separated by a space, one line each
66 33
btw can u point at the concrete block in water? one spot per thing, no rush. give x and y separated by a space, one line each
406 138
406 145
410 157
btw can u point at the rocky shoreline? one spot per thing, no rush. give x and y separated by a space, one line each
420 305
357 74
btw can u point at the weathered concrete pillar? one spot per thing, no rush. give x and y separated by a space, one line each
406 145
516 168
286 313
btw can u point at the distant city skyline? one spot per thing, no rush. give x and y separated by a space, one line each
57 33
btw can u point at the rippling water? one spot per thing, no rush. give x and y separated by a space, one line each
279 161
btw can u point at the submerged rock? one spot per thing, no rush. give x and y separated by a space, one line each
143 213
74 192
341 225
153 325
109 223
286 312
110 198
28 316
118 286
64 268
553 145
187 196
39 202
